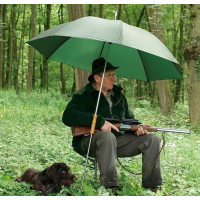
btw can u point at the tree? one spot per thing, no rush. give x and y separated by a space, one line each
31 50
101 10
119 11
61 20
178 83
192 54
44 70
15 19
77 11
16 72
163 88
10 47
1 46
4 44
90 10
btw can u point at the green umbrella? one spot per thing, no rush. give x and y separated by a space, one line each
138 53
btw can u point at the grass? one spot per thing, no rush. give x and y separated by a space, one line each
33 136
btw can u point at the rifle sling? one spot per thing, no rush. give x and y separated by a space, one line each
150 168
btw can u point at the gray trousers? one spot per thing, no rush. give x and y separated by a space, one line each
105 147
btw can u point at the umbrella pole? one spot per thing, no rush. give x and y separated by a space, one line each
95 117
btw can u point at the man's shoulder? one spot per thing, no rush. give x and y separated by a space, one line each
87 88
81 91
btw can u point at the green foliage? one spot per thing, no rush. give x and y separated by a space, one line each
33 136
170 16
197 67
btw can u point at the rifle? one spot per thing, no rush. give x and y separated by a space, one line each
125 125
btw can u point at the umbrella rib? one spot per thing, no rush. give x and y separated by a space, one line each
178 68
58 48
143 65
102 49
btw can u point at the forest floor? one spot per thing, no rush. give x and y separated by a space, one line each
32 135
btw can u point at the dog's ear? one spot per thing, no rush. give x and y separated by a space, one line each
53 172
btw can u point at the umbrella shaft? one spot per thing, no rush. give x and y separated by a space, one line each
102 79
86 161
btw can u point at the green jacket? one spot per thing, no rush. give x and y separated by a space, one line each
81 108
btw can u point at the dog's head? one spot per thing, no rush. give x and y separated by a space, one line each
60 172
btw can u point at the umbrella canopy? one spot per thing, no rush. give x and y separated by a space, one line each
138 53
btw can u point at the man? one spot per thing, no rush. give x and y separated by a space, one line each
109 143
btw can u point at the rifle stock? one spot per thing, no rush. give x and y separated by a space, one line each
82 130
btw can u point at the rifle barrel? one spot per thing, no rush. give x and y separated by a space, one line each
174 130
125 127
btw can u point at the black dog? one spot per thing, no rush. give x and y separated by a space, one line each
50 179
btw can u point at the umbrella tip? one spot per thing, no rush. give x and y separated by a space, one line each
115 15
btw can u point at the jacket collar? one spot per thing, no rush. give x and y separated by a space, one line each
90 88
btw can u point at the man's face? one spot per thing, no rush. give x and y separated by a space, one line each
109 80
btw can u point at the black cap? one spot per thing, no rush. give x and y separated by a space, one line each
98 66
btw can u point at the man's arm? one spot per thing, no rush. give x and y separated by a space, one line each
76 114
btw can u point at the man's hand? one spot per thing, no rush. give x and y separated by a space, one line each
108 126
141 131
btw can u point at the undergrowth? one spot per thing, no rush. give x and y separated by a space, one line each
33 136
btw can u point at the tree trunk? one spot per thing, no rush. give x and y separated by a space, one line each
1 46
101 10
77 11
15 19
4 49
140 18
192 54
127 14
163 88
61 20
90 10
31 50
9 50
119 12
178 83
63 88
44 81
20 50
